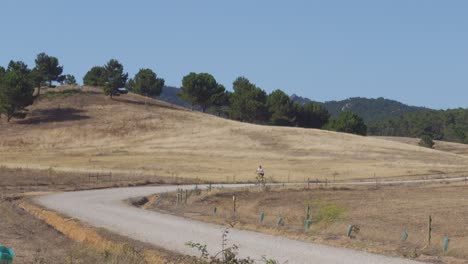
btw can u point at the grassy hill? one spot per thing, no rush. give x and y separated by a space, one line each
82 130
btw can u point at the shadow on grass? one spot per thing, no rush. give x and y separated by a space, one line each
54 115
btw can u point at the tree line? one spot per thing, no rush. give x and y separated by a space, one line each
247 102
448 125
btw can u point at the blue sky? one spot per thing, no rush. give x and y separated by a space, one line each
414 51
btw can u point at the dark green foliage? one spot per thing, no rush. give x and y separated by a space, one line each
426 141
2 71
312 115
201 90
115 77
16 90
146 83
248 102
46 71
348 122
371 110
95 77
448 125
220 101
281 109
130 83
69 79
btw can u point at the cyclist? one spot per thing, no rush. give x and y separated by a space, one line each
260 174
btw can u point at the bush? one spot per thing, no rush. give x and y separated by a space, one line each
329 213
426 141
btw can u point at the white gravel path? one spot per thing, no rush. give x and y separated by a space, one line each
105 208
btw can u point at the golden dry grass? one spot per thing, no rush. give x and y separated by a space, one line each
456 148
86 131
382 214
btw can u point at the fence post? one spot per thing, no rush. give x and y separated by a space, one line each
308 212
234 203
429 230
262 217
308 183
186 196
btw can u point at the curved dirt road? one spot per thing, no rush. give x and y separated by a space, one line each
105 208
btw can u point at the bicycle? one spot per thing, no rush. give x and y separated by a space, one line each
260 180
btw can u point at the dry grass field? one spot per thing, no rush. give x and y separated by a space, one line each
81 130
382 213
456 148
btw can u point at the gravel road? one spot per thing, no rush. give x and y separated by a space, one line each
105 208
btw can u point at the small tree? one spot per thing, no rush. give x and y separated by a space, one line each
281 108
16 90
348 122
248 102
146 82
115 77
200 89
312 115
47 70
95 77
426 141
69 79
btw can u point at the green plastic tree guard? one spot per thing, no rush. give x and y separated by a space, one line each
307 224
6 255
350 229
445 245
404 236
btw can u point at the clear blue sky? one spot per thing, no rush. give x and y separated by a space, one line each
414 51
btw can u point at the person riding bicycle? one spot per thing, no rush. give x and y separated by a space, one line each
260 172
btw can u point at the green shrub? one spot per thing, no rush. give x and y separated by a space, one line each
426 141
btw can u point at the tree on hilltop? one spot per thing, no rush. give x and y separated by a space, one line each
312 115
146 82
115 77
46 71
95 77
248 102
281 108
16 90
201 89
348 122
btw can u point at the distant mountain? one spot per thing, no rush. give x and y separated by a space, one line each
371 110
169 94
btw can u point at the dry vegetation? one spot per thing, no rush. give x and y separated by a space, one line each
71 134
382 214
81 130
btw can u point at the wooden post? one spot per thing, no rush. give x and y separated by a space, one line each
308 212
209 188
186 196
234 203
429 231
308 183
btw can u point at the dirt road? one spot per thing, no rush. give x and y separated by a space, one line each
105 208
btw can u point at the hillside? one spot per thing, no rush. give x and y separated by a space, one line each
369 109
86 131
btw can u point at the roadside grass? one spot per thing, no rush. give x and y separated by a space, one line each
380 214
